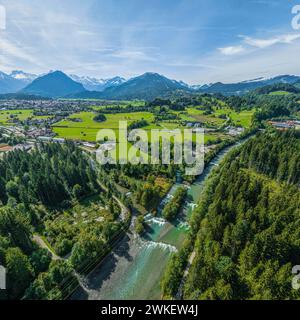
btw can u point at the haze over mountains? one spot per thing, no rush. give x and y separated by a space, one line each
94 84
147 86
10 84
18 80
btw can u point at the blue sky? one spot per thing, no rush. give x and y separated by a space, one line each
197 41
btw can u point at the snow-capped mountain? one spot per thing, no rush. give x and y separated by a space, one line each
9 84
22 76
147 86
182 83
200 86
95 84
255 80
247 85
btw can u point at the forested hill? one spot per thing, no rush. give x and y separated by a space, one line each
277 87
47 175
247 224
276 155
54 219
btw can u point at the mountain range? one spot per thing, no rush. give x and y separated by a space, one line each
94 84
247 86
17 80
148 86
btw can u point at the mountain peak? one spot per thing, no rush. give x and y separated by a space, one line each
9 84
54 84
57 73
151 75
3 75
147 86
96 84
23 77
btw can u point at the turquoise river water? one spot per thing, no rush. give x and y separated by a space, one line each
133 270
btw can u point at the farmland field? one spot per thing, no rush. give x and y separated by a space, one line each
112 120
242 118
279 93
218 117
6 115
86 129
121 104
194 114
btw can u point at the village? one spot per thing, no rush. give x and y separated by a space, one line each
285 125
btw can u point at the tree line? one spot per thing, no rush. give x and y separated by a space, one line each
245 232
35 188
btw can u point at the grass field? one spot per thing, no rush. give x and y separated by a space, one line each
112 120
6 115
87 129
279 93
121 104
76 133
243 118
194 114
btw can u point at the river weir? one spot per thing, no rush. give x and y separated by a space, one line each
133 270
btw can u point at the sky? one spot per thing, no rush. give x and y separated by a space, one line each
197 41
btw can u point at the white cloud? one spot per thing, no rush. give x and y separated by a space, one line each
133 55
249 44
9 49
264 43
229 51
265 62
190 65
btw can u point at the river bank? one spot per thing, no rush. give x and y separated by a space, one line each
134 268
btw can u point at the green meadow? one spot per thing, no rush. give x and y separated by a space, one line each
279 93
121 104
87 128
194 114
243 118
112 120
6 115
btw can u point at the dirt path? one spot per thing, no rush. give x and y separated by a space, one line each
41 243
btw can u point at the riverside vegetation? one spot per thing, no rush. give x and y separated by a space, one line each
245 232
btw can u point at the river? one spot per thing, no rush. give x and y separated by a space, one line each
133 270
